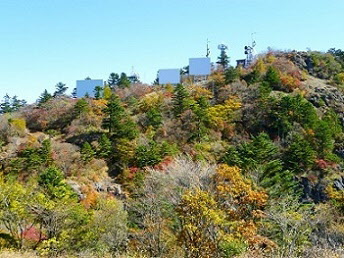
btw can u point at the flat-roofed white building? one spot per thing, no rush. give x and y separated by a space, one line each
199 66
87 86
171 76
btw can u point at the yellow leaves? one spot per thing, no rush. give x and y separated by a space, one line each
217 78
337 196
339 78
98 105
200 207
198 92
223 113
270 58
150 100
107 92
19 124
260 67
231 183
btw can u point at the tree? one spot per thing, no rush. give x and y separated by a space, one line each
98 92
338 54
107 92
87 152
223 59
15 216
154 117
113 79
74 93
53 184
117 121
81 107
180 100
45 96
105 147
201 222
5 106
123 81
231 74
299 156
60 89
272 77
17 103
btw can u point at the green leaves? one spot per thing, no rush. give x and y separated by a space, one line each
117 121
180 100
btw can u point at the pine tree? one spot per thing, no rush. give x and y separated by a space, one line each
60 89
45 96
180 100
272 77
5 106
123 82
113 79
231 74
81 106
119 124
104 147
17 103
223 59
154 117
87 152
98 92
74 93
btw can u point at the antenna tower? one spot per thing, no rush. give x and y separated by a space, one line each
208 50
250 52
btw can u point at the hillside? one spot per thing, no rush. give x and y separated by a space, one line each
246 164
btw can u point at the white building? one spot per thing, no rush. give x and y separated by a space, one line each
87 86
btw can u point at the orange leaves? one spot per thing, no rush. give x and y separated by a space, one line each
231 184
290 82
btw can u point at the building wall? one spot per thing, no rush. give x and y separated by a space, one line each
169 76
87 86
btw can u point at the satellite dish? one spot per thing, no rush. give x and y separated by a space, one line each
222 47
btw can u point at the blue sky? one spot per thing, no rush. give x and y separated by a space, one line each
43 42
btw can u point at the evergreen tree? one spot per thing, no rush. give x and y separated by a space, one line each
81 106
154 117
45 96
5 106
98 92
123 81
272 77
104 147
87 152
17 103
60 89
300 155
52 181
231 74
180 100
202 118
223 59
119 124
74 93
113 79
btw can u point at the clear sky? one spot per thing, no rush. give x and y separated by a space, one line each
43 42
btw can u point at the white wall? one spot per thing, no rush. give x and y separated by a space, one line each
169 76
87 86
199 66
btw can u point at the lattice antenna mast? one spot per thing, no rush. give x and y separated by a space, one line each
208 49
250 52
